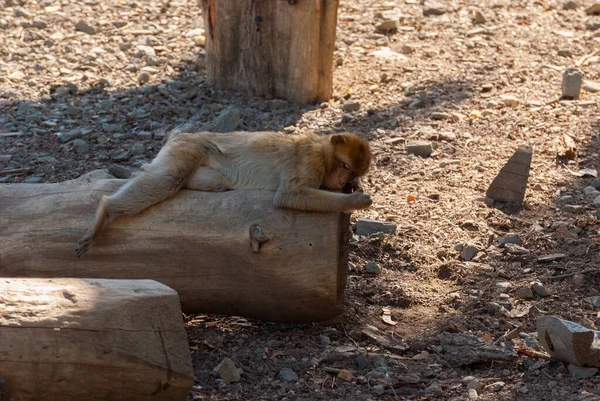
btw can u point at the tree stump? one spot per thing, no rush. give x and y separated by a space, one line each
231 252
272 48
73 339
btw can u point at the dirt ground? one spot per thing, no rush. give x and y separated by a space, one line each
477 80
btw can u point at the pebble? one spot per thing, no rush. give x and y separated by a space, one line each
532 343
420 148
540 290
591 86
120 155
361 362
469 251
367 227
388 25
572 82
345 375
324 340
33 180
138 149
287 375
570 5
565 53
80 146
524 293
83 26
573 208
227 371
351 105
594 9
68 136
438 115
580 372
497 386
378 389
474 384
510 100
432 8
229 120
346 118
591 192
473 394
372 268
503 286
143 78
523 390
579 279
509 239
479 18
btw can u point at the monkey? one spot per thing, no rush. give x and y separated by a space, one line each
308 171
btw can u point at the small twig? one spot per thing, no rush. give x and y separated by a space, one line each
510 335
572 274
346 334
334 371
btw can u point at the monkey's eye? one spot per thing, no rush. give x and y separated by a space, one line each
346 167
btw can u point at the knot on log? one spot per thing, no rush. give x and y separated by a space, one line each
257 237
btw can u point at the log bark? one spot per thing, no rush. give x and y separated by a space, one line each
75 339
232 252
272 48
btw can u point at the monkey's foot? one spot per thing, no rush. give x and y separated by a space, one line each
83 245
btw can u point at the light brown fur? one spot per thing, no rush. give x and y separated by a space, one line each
303 170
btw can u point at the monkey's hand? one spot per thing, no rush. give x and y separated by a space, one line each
84 244
359 200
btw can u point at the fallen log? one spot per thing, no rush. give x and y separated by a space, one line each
76 339
231 252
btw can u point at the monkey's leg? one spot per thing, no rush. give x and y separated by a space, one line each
209 180
138 194
316 200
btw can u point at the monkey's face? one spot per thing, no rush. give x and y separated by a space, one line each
352 158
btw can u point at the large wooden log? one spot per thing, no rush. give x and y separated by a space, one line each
272 47
74 339
198 243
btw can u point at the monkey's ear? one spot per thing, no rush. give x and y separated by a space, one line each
338 139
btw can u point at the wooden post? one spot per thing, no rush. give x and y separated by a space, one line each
230 252
76 340
278 48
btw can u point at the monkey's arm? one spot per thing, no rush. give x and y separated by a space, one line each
316 200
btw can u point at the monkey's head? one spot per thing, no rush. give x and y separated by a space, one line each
351 160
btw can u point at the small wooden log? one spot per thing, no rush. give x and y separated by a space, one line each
232 252
272 48
511 182
568 341
80 339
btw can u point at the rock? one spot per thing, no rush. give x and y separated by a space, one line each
143 78
524 293
437 115
465 349
511 182
572 82
227 371
367 227
33 180
579 372
565 53
497 386
21 12
432 8
200 40
378 389
324 340
540 290
68 136
345 375
119 23
503 286
591 192
473 394
229 120
570 5
532 343
420 148
83 26
591 86
475 385
573 208
479 18
579 279
350 106
388 25
144 50
433 388
469 251
568 341
510 100
594 9
509 239
361 362
372 268
138 149
346 118
594 302
119 171
80 146
386 53
120 155
287 375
